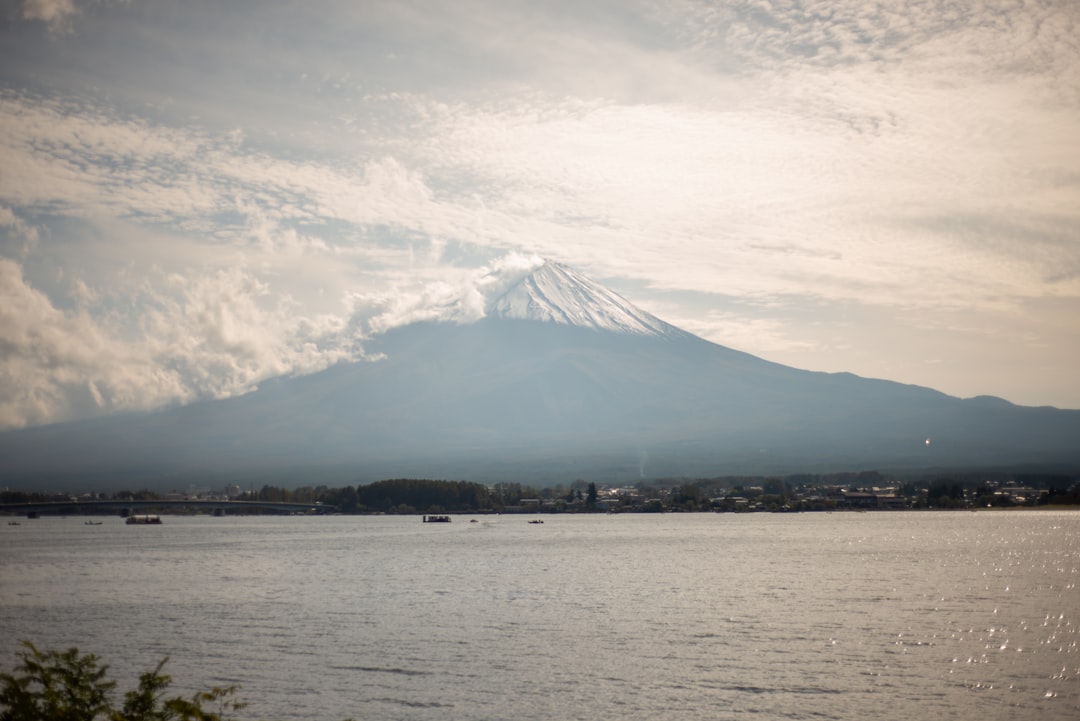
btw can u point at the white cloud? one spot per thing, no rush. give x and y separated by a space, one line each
56 14
194 336
44 354
462 296
756 201
26 234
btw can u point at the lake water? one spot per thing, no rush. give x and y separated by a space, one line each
697 616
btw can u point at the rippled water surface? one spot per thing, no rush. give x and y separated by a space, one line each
698 616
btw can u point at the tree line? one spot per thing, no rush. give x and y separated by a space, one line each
793 492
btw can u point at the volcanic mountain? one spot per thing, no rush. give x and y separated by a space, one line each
561 379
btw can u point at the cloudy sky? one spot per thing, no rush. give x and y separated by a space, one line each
196 196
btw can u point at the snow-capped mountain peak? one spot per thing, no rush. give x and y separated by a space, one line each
554 293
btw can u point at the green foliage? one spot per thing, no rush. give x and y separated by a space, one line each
1069 497
148 702
688 497
55 686
273 494
344 499
510 494
423 496
69 686
946 493
143 495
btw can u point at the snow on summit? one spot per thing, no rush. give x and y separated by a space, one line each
554 293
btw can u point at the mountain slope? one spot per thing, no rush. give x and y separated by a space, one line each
563 379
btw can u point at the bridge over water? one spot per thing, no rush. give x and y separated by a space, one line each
126 508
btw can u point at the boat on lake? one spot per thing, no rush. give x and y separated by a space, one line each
143 521
436 519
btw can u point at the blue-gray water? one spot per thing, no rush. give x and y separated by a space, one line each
699 616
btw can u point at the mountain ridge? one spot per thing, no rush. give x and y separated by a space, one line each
585 384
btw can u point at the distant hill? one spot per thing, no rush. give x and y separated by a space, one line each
563 379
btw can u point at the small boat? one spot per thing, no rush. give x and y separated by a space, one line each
143 521
92 523
13 523
436 519
536 521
